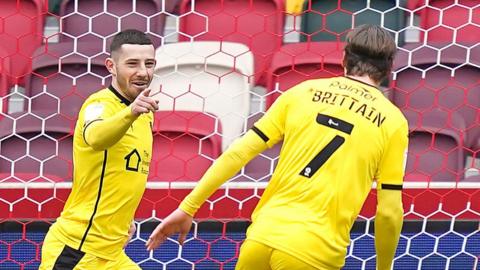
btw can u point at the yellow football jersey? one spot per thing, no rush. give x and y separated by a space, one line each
107 185
339 135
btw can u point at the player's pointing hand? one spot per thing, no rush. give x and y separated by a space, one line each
144 103
177 222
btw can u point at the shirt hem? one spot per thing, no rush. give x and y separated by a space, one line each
75 244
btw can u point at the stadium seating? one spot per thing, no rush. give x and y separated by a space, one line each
440 227
446 98
62 79
439 89
435 152
21 33
185 145
257 24
59 83
440 19
34 150
297 62
325 20
206 76
118 15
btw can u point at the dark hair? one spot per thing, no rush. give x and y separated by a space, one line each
129 36
369 51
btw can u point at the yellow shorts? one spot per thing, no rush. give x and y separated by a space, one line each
254 255
56 255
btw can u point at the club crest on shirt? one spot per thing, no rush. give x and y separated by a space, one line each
132 161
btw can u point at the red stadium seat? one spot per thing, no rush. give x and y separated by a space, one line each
441 17
61 80
435 151
35 149
257 24
185 145
439 89
147 16
298 62
21 33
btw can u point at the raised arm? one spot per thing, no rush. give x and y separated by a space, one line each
101 133
265 133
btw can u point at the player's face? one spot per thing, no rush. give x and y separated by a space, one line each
133 67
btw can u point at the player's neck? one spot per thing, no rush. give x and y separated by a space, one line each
119 90
365 79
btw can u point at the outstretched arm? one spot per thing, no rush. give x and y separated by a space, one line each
266 132
101 134
226 166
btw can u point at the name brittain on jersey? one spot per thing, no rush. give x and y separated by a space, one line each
366 110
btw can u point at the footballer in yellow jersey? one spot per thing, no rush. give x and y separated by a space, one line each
339 136
335 134
112 148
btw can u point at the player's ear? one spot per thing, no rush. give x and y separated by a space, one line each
110 65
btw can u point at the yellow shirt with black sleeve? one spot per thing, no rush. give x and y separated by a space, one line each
111 156
338 135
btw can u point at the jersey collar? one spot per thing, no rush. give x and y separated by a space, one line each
371 85
122 98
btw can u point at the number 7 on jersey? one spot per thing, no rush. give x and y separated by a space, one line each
326 152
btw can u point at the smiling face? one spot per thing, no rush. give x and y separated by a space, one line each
132 69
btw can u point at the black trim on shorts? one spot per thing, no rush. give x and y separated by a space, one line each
260 134
392 187
85 128
68 259
97 201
